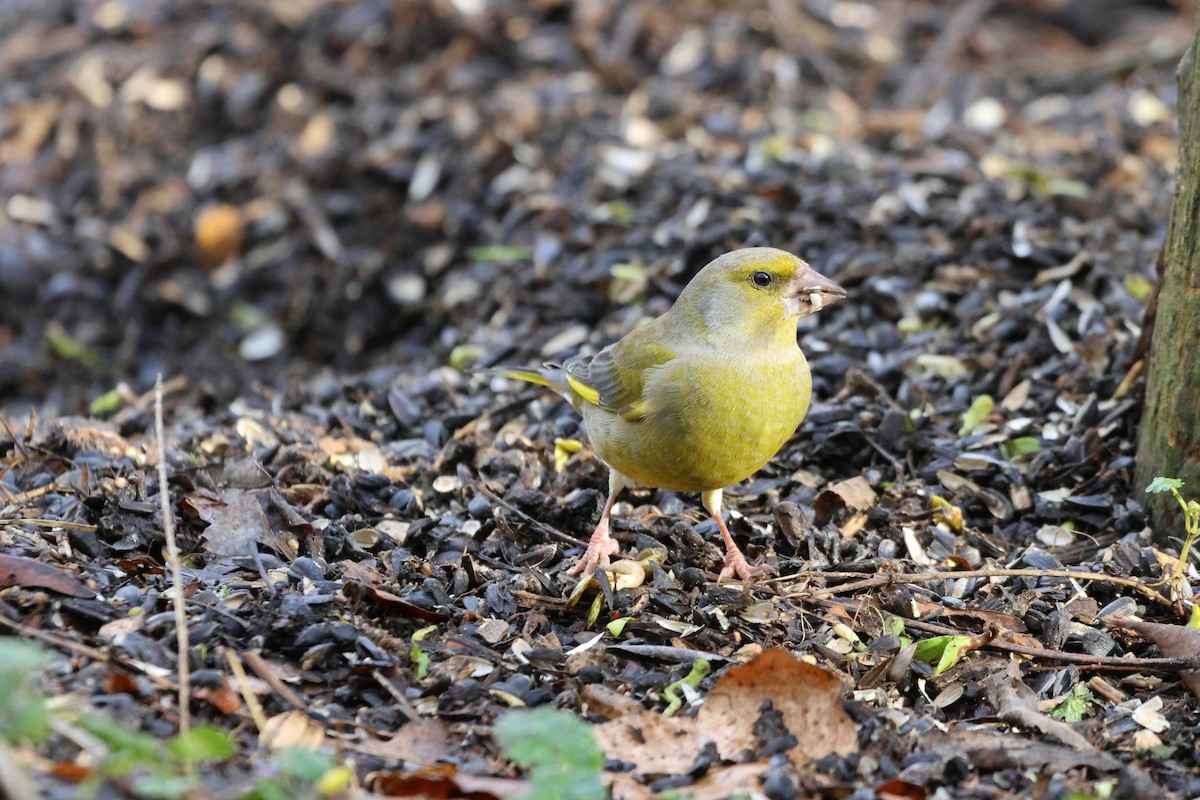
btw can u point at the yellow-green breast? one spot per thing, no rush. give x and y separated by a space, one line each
713 418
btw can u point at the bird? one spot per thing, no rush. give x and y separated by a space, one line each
701 397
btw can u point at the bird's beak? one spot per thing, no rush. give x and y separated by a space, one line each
811 291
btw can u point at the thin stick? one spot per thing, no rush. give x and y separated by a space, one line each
541 526
58 641
931 73
156 674
1081 659
13 780
50 523
243 684
949 575
181 630
263 671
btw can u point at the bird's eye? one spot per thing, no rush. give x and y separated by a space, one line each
761 279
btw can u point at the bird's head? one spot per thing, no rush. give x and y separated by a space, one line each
757 289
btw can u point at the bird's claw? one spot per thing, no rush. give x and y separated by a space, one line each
599 548
735 564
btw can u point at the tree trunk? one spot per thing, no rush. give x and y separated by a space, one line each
1169 435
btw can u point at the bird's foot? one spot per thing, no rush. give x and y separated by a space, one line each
735 564
599 548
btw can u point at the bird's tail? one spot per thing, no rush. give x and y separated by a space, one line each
550 376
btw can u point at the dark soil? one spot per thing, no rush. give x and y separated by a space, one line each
312 218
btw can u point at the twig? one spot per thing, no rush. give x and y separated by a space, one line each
18 445
891 579
406 707
1082 659
931 73
141 403
157 675
263 670
181 630
541 526
57 641
50 523
243 684
14 500
13 780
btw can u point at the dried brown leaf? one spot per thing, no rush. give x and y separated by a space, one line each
444 782
807 697
291 729
238 528
854 493
29 573
423 742
1016 704
1175 641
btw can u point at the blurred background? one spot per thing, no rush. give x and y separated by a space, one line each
274 191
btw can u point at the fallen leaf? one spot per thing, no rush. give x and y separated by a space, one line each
1016 704
29 573
291 729
807 698
444 782
854 493
237 529
421 742
1175 641
901 790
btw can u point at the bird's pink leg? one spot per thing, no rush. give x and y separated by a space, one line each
601 545
735 563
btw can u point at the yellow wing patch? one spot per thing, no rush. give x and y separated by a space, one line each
633 412
580 388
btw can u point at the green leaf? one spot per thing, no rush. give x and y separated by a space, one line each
1194 619
1021 446
894 626
70 348
951 654
420 658
595 609
1161 484
617 626
304 765
23 712
498 252
107 403
272 790
617 211
203 743
1139 286
1067 188
629 282
945 650
136 747
979 411
1075 707
334 781
559 751
464 355
1027 174
163 787
700 669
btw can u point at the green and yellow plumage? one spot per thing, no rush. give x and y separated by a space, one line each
703 396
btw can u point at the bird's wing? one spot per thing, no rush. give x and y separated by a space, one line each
613 379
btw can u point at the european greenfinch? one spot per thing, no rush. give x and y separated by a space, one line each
703 396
